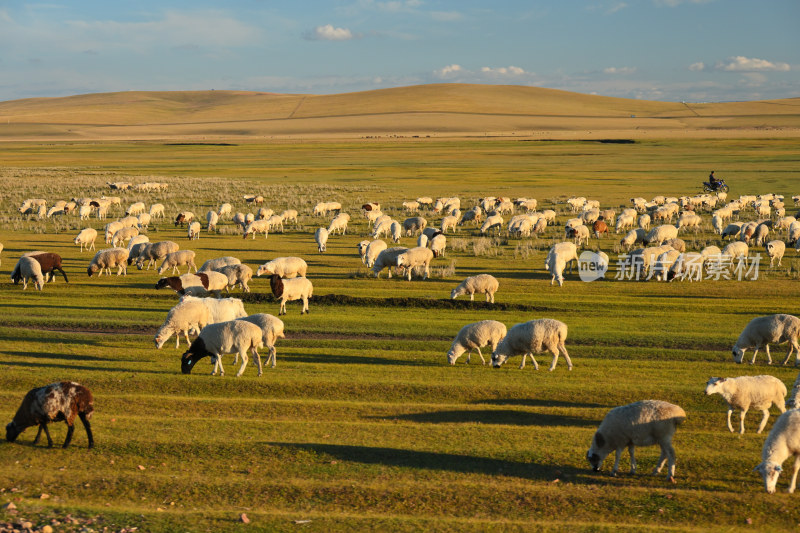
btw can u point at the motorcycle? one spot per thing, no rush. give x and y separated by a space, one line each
720 186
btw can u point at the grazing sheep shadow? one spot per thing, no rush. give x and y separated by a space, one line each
352 359
501 417
531 402
465 464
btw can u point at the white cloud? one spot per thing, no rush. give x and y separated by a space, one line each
676 3
697 67
746 64
619 70
616 7
329 33
504 71
446 71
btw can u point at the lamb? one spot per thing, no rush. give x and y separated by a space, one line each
184 216
175 259
107 259
288 290
775 250
761 331
474 337
438 244
321 238
215 340
660 234
183 318
212 218
157 211
580 233
193 231
122 235
372 250
485 283
289 215
632 237
256 226
285 267
557 258
220 309
532 337
58 401
135 209
396 230
744 392
339 223
782 442
237 275
271 330
642 423
415 257
155 252
414 224
387 258
28 268
219 262
198 284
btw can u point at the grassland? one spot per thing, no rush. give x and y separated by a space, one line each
363 425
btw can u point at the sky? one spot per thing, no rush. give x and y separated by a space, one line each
666 50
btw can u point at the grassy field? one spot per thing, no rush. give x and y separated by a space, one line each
363 424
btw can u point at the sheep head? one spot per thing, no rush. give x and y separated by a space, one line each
738 354
12 432
770 471
714 385
196 352
597 452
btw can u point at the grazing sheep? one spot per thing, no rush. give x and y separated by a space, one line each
415 257
625 221
289 215
237 275
129 222
632 237
122 235
642 423
744 392
135 209
775 250
411 205
285 267
157 211
557 258
111 228
256 226
339 223
58 401
264 213
186 316
580 233
215 340
144 221
291 289
371 252
532 337
28 268
472 215
184 216
492 222
107 259
48 263
449 222
782 442
414 224
212 218
732 230
735 250
386 259
644 222
175 259
716 223
240 219
761 331
660 234
425 200
198 284
382 227
155 252
485 283
321 238
219 262
193 231
220 309
688 219
271 330
438 244
396 231
664 263
474 337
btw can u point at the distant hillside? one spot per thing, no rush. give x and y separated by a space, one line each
425 110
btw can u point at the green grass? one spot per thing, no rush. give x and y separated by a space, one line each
363 425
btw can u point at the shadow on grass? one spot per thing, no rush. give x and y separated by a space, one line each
353 359
61 356
394 457
531 402
502 417
82 368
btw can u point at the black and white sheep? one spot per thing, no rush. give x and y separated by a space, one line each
288 290
64 400
216 340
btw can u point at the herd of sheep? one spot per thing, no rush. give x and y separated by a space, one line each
222 326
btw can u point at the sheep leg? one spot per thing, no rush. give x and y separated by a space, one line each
46 434
566 355
793 347
522 365
730 411
70 430
245 359
469 355
755 352
741 420
272 356
554 351
472 297
258 360
633 459
38 434
763 421
793 482
483 361
615 469
769 358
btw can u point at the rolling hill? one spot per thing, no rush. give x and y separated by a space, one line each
440 110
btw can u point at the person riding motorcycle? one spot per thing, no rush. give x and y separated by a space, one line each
712 181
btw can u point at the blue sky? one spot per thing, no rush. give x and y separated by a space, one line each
669 50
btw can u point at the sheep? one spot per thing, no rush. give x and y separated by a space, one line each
129 222
624 221
155 252
590 216
135 209
220 309
157 211
111 228
28 268
660 234
414 224
384 227
321 238
557 258
184 216
237 275
735 250
644 221
411 205
256 226
782 442
271 331
425 200
264 213
474 337
372 250
387 259
122 235
175 259
215 340
438 244
396 231
632 237
285 267
288 290
531 337
415 257
239 219
744 392
144 221
472 215
198 284
761 331
374 215
289 215
339 223
48 263
642 423
449 222
183 318
107 259
485 283
219 262
677 244
212 218
775 250
579 233
193 231
58 401
136 250
731 230
492 222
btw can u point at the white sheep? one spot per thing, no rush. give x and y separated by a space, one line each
122 235
557 258
474 337
107 259
449 222
129 222
219 309
186 316
396 230
215 340
193 230
632 237
289 215
414 258
154 252
782 442
157 211
175 259
219 262
264 213
732 230
492 222
271 331
644 221
339 224
288 290
744 392
237 275
256 226
414 224
372 250
212 219
144 221
580 233
660 234
775 250
224 209
387 259
28 268
321 238
642 423
761 331
86 238
285 267
664 263
532 337
362 250
485 283
135 209
438 244
111 228
735 250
